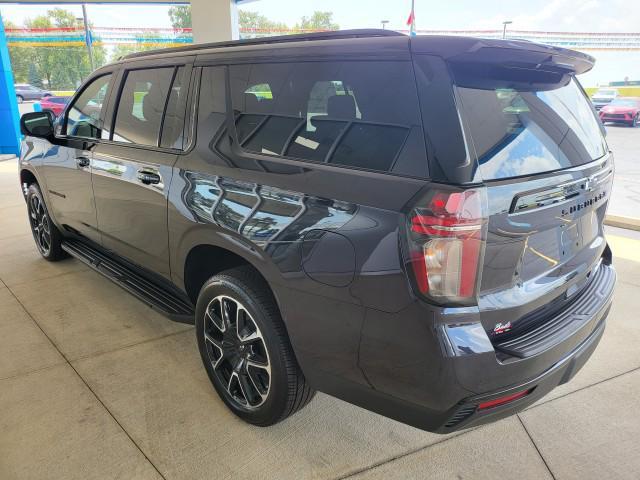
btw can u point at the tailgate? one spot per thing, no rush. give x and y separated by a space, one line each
541 153
545 240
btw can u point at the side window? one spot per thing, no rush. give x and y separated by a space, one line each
173 125
353 114
83 119
141 106
261 92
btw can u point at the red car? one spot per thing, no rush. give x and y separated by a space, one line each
622 110
55 104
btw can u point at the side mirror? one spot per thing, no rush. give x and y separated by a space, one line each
37 124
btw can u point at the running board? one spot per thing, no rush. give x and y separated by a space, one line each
156 296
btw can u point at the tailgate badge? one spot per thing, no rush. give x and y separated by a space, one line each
501 328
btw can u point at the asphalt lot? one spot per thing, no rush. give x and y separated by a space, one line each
624 142
96 385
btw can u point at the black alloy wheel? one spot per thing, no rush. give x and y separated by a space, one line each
237 352
45 233
246 350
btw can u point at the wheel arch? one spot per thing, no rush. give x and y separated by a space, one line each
28 177
203 260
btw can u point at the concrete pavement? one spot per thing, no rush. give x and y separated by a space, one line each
95 385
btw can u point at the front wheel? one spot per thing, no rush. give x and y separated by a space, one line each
46 235
19 98
245 348
635 121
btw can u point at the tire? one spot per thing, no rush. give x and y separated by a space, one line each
635 121
46 235
255 372
20 98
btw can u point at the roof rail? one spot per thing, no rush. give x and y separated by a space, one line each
301 37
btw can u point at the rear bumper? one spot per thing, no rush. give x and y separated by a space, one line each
616 117
466 414
541 363
435 379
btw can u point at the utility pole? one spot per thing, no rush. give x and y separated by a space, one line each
87 36
504 28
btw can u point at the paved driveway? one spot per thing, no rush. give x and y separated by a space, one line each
95 385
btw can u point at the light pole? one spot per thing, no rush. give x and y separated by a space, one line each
87 35
504 28
384 23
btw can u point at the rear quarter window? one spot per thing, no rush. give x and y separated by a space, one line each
360 114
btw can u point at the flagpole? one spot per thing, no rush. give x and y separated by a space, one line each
412 29
87 37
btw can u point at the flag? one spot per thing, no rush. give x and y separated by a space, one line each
411 21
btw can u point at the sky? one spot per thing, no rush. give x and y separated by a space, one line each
544 15
554 15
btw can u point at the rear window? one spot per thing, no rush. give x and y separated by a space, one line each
361 114
522 129
61 100
623 102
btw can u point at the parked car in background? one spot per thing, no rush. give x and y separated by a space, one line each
603 96
55 104
622 110
24 91
406 223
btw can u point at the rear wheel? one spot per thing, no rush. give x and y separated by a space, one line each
46 235
636 120
245 348
19 98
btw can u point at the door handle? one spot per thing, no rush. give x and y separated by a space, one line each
83 161
148 178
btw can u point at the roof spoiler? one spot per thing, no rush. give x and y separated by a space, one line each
516 53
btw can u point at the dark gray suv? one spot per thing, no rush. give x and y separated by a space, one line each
413 225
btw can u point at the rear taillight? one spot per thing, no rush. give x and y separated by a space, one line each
446 236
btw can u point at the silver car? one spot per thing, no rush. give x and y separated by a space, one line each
24 91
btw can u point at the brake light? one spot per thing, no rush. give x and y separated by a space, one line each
445 241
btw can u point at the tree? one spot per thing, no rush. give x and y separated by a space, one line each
318 21
180 16
150 43
252 24
19 58
34 77
62 67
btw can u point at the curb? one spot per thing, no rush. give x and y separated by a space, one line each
622 222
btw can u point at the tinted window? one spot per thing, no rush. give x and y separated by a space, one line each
173 125
272 135
83 118
519 130
369 146
625 102
61 100
356 114
142 104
